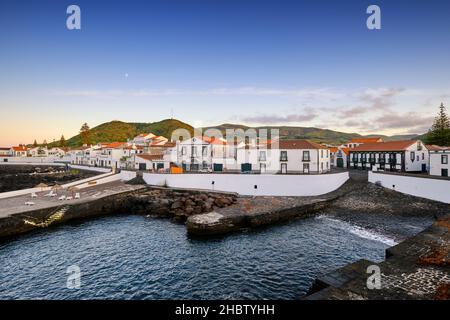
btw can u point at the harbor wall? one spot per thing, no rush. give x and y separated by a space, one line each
424 187
253 184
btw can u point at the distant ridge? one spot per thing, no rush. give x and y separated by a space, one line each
121 131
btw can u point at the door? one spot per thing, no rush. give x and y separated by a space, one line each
424 167
142 166
246 167
218 167
159 166
340 162
262 167
444 172
284 168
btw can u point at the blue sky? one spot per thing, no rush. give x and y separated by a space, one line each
306 63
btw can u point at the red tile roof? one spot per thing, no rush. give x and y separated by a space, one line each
335 149
5 148
114 145
151 156
165 145
20 148
385 146
366 140
297 144
432 147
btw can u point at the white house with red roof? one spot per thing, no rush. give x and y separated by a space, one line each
284 156
5 151
439 160
402 156
19 151
143 139
151 162
339 156
203 154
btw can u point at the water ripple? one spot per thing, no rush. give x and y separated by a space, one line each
133 257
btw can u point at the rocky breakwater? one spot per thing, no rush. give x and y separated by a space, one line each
17 177
176 203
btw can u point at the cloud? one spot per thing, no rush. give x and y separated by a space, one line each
307 115
351 112
405 120
380 98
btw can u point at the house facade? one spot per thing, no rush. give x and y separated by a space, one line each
151 162
439 161
401 156
19 151
284 157
5 151
339 156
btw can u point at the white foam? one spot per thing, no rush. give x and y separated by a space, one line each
360 231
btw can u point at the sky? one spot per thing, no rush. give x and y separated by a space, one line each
254 62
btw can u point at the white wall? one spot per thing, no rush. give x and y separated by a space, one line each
436 164
96 169
29 160
434 189
123 176
268 185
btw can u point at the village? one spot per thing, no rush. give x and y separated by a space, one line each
202 154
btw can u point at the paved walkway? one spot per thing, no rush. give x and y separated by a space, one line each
14 205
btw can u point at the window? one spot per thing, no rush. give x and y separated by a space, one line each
321 153
204 165
204 151
444 159
413 155
419 146
262 156
283 156
193 151
423 155
306 156
183 151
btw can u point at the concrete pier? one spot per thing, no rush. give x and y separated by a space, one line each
96 200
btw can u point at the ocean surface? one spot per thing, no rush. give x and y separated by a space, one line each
138 257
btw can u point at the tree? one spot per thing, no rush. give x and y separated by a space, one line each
35 144
44 143
439 134
85 133
62 142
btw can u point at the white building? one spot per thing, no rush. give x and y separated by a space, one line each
56 152
151 162
339 156
284 156
19 151
439 161
402 156
203 154
5 151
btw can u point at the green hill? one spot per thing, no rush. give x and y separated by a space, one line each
121 131
314 134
